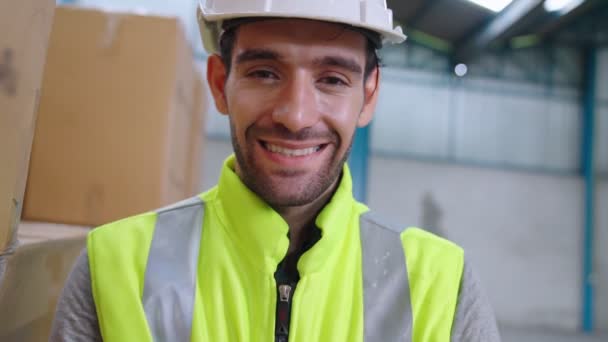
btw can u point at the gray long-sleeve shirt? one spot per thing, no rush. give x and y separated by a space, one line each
76 318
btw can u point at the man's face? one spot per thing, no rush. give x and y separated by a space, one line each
294 96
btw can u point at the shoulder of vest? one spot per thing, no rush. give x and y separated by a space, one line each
190 202
408 233
144 220
376 222
125 225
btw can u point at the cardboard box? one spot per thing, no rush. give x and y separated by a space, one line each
24 31
120 119
32 279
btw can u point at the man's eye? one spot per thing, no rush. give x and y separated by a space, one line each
335 81
264 74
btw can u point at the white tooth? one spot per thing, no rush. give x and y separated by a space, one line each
291 153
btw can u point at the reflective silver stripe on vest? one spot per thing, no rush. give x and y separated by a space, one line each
170 276
386 295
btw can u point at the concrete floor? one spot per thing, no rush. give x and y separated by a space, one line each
516 335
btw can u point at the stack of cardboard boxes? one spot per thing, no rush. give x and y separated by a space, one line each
115 128
34 260
120 123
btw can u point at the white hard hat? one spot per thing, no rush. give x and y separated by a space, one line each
372 15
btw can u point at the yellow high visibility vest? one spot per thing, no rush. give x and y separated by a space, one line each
203 270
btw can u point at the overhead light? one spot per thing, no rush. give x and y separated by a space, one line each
493 5
562 6
461 69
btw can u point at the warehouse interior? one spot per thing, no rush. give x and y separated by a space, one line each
491 130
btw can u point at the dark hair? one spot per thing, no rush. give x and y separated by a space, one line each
228 39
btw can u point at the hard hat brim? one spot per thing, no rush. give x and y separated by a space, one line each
394 36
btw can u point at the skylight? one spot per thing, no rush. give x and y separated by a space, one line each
561 5
492 5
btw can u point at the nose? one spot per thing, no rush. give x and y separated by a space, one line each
297 105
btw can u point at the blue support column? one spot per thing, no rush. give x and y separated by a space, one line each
358 163
589 87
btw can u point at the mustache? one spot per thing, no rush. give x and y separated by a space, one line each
283 133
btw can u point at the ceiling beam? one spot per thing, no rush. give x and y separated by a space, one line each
482 38
422 11
588 18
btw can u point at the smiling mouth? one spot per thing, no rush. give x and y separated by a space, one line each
289 152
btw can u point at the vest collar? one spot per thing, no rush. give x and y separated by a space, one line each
261 233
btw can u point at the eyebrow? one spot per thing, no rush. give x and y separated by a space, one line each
267 54
256 55
341 62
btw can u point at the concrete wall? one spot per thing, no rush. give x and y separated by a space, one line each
602 110
601 222
521 231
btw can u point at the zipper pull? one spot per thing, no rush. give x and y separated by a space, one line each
284 292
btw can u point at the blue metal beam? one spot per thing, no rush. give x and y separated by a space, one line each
358 162
504 20
589 88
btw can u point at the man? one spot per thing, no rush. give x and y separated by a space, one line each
279 249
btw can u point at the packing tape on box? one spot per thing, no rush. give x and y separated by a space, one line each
13 223
112 26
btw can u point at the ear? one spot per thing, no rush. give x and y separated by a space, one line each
216 78
370 89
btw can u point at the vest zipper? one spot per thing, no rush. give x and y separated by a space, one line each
283 317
